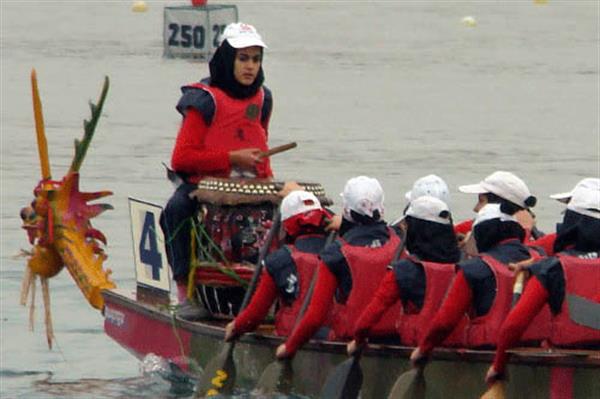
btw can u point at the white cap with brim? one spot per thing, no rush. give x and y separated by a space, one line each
363 195
588 182
585 201
298 202
429 208
492 211
431 185
505 185
241 35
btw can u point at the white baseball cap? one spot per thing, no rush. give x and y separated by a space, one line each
492 211
588 182
585 201
431 185
505 185
241 35
363 195
429 208
298 202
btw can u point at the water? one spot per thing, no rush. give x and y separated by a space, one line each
394 90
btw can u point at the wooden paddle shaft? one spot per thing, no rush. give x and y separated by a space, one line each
278 149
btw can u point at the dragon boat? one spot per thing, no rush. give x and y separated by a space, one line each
227 233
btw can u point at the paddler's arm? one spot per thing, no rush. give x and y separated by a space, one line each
257 309
531 302
453 308
316 313
386 295
190 155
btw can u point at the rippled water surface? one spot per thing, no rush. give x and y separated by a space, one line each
394 90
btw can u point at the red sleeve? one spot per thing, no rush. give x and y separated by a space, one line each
317 310
259 306
453 308
546 242
190 155
463 227
386 295
531 302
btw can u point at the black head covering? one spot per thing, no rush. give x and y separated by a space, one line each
577 231
221 73
430 241
491 232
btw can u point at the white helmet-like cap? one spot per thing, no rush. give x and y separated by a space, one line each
585 201
588 182
241 35
492 211
363 195
429 208
505 185
298 202
431 185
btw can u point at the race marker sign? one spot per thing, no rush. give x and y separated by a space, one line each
194 31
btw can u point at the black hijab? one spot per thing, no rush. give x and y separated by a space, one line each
491 232
430 241
579 232
221 74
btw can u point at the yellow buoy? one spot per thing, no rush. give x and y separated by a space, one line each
139 6
540 2
469 21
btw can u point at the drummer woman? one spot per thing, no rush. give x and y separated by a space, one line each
223 132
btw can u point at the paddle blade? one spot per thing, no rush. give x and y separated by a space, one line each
276 378
219 374
344 382
409 385
496 391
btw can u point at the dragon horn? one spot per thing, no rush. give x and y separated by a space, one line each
39 127
89 127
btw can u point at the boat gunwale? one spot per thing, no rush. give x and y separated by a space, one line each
522 356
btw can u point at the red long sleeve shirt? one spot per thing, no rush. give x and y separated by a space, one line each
317 311
386 295
531 302
259 306
453 308
191 156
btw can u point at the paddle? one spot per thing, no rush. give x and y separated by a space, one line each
219 373
277 376
346 379
410 384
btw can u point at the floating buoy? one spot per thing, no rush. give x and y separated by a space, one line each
139 6
469 21
540 2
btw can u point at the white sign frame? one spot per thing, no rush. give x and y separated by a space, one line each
144 218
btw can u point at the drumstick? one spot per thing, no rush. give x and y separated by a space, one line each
278 149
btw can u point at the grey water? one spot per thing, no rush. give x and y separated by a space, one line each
390 89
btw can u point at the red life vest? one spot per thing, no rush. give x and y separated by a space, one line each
367 267
236 125
483 330
582 279
306 265
412 326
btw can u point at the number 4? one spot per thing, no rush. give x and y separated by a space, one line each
149 253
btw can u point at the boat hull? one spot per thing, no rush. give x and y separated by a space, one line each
144 328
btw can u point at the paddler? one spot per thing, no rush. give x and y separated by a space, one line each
564 282
223 133
288 270
547 241
482 283
351 267
419 280
496 188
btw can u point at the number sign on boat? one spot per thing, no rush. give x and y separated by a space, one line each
151 267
